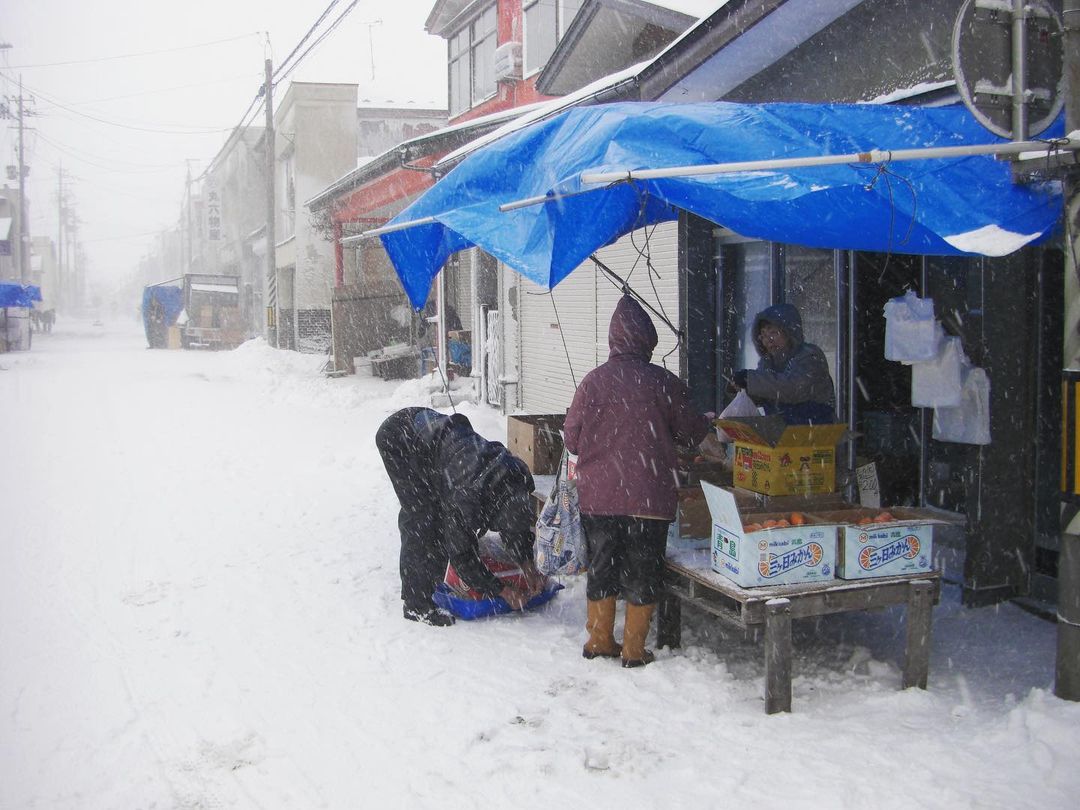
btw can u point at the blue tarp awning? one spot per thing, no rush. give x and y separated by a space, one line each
953 206
13 294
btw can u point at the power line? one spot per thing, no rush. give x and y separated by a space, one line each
134 55
55 103
163 90
315 44
310 31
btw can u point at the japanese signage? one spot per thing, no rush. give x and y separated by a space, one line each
212 210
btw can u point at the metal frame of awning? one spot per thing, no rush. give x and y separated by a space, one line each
1056 148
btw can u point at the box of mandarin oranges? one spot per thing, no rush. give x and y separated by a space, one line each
768 548
882 542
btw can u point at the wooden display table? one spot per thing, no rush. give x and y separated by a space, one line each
690 578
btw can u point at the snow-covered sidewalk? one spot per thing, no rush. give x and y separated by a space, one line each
198 609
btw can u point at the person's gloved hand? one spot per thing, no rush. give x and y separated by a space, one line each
738 378
535 582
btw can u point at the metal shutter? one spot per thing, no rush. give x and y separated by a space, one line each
585 302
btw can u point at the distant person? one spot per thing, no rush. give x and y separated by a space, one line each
453 486
792 377
627 418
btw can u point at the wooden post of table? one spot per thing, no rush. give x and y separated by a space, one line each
669 621
919 614
777 656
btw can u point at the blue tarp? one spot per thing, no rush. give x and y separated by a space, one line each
13 294
955 206
161 306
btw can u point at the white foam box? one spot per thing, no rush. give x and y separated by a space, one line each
776 556
904 545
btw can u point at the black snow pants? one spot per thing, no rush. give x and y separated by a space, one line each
423 556
626 556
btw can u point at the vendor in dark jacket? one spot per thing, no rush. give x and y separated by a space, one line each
453 486
625 422
792 378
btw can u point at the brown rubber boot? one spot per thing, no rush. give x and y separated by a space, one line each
601 627
635 629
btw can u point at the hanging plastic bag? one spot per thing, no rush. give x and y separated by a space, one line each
938 383
740 405
912 334
969 422
560 540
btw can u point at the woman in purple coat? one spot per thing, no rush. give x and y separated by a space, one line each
626 420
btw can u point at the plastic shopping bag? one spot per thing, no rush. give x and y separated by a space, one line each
938 383
740 405
969 422
560 540
912 334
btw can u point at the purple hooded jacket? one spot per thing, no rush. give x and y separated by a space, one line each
625 422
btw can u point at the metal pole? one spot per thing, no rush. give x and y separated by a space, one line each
871 156
60 236
271 167
23 239
1019 71
1067 670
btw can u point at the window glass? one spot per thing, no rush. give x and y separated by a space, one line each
568 9
752 279
810 284
541 33
459 72
483 59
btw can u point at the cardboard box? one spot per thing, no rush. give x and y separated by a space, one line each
774 458
750 501
883 549
536 440
692 527
778 556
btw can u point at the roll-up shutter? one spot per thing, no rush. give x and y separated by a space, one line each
585 301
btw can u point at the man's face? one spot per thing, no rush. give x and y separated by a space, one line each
773 339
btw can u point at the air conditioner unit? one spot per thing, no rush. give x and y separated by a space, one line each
507 62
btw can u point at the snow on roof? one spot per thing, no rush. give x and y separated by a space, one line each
544 110
394 151
221 288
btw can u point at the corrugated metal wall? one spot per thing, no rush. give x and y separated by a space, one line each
585 301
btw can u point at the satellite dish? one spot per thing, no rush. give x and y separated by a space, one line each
982 51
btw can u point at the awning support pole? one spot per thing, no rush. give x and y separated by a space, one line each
1070 144
395 226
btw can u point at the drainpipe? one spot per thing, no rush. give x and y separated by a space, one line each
1067 674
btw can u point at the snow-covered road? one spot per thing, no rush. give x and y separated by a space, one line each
198 609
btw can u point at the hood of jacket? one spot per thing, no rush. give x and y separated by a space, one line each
784 316
631 331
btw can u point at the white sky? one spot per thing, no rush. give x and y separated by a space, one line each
127 176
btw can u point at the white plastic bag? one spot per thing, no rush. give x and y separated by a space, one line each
968 423
741 405
912 334
938 383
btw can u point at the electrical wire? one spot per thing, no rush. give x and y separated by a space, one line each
134 55
316 43
55 103
305 38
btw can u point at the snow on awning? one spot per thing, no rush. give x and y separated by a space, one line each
930 207
219 288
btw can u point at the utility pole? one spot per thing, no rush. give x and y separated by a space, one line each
187 221
24 237
271 166
60 278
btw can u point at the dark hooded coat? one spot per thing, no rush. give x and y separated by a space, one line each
797 386
454 485
625 422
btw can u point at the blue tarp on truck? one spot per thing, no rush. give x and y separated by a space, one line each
161 306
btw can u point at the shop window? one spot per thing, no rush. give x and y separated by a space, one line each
810 284
546 22
471 62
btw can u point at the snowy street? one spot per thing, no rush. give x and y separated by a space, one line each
199 609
